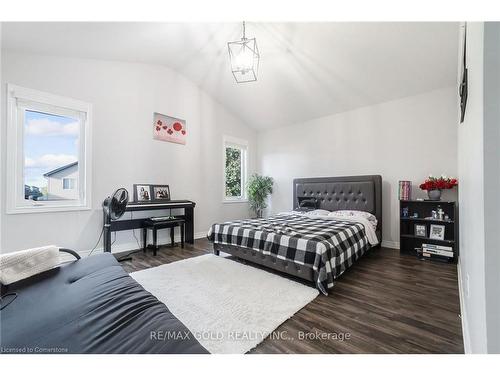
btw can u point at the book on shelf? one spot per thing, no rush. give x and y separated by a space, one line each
436 247
436 256
404 190
429 250
446 254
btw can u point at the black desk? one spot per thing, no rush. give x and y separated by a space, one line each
119 225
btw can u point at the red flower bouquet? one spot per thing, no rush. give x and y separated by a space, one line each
434 185
439 183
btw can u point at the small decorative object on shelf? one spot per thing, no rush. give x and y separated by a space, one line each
405 212
434 186
429 230
404 190
434 194
437 232
434 215
440 213
420 230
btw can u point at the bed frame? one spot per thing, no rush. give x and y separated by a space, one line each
362 193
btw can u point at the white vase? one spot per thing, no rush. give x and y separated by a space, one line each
434 195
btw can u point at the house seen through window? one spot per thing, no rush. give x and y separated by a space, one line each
51 148
49 152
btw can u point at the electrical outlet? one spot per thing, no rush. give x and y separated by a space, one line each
467 286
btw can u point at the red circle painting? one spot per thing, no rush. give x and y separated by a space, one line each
177 126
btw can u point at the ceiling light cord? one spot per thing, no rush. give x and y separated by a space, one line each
244 34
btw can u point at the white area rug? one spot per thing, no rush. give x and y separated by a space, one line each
228 306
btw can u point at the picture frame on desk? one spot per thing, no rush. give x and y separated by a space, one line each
161 193
142 193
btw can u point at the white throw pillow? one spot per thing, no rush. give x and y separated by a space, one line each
318 213
354 213
22 264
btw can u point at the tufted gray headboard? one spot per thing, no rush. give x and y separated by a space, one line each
363 193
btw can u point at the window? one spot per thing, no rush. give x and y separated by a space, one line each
235 169
69 183
48 152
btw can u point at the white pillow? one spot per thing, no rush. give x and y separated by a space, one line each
22 264
354 213
318 213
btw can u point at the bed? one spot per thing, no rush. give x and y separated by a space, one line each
89 306
315 248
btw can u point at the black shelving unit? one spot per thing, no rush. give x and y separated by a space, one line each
409 241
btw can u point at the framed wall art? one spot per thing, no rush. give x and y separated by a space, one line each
437 232
169 129
420 230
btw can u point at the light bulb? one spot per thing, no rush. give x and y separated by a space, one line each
244 59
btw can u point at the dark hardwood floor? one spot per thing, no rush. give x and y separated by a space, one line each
385 303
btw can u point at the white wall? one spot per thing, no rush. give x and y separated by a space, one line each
479 173
471 198
2 146
492 181
404 139
124 97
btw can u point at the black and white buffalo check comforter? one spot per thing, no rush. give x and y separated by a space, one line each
328 246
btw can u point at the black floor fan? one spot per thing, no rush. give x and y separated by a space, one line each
113 208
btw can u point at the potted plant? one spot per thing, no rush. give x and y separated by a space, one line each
259 188
434 186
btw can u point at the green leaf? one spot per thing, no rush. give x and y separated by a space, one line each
233 172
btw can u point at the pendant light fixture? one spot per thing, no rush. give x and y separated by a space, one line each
244 57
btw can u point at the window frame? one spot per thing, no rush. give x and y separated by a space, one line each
70 181
20 99
242 145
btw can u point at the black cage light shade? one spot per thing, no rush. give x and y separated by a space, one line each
244 57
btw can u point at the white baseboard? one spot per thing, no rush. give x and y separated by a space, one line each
199 235
463 312
390 244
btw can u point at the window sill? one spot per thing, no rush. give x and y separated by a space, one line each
224 201
42 209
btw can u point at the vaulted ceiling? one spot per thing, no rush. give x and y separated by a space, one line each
307 70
